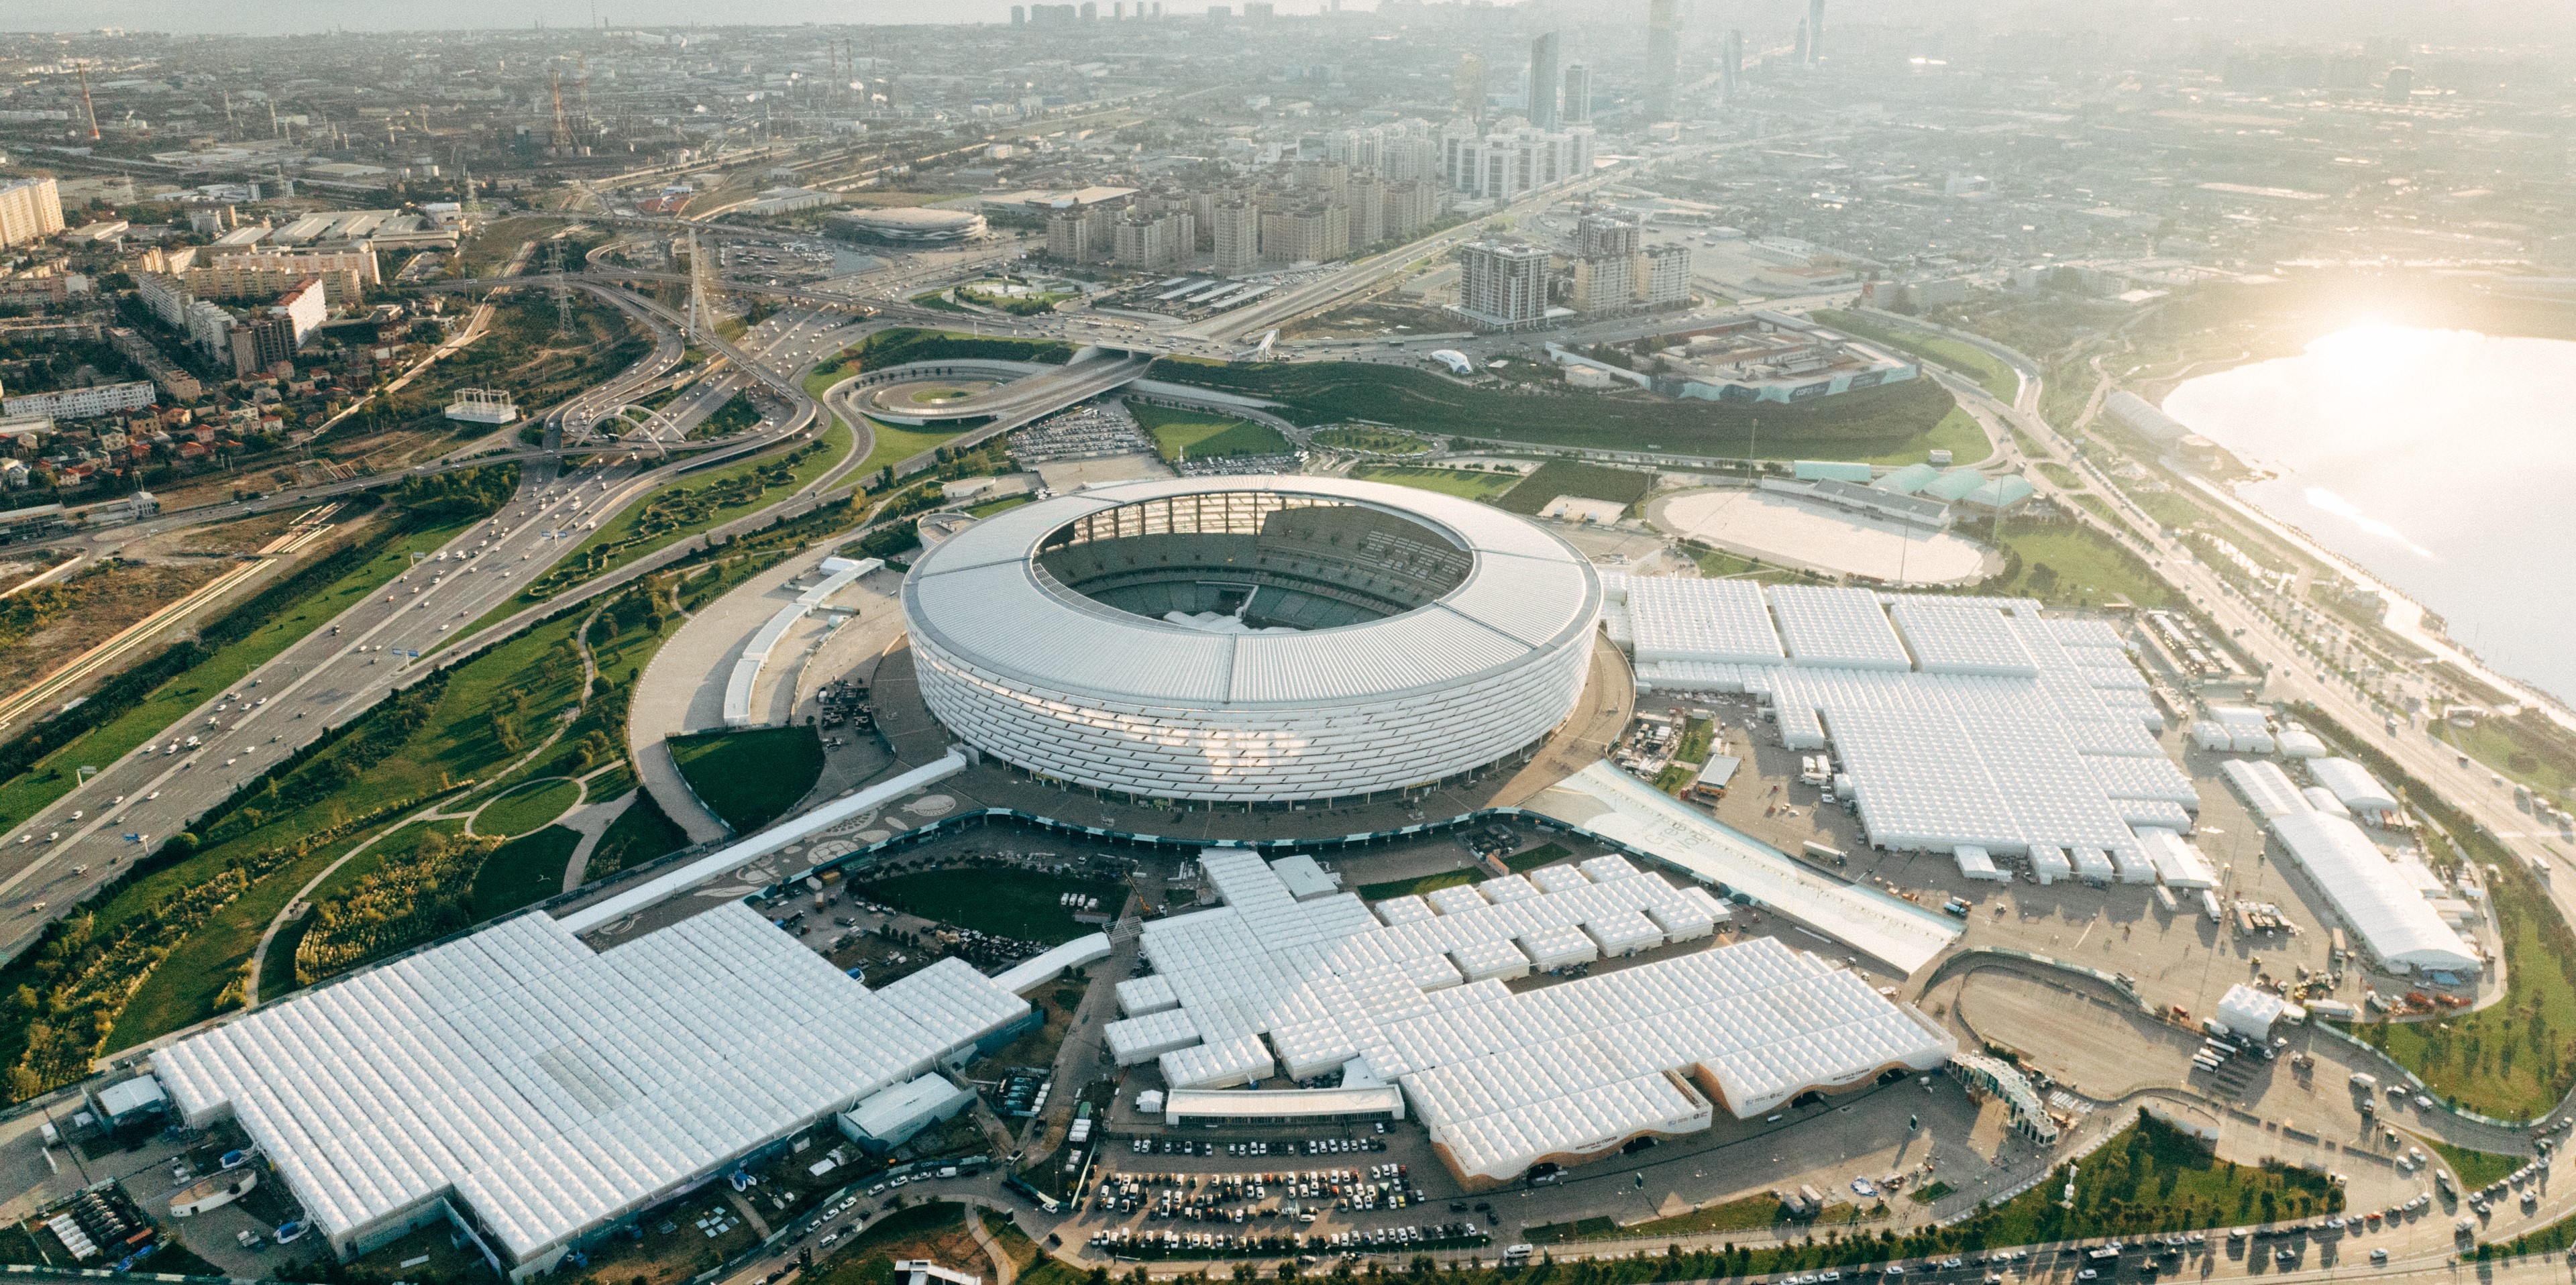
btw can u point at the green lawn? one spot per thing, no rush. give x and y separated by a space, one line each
1566 477
1382 441
524 871
1415 887
454 732
1192 434
2154 1178
990 507
1990 371
2068 563
2062 475
1733 1215
896 443
674 512
639 834
1898 419
749 779
527 807
737 414
2475 1169
52 776
1011 902
1447 481
1718 564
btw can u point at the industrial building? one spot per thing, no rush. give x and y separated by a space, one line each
536 1093
1408 993
1251 639
1962 722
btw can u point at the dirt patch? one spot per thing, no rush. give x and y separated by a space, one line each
243 535
96 605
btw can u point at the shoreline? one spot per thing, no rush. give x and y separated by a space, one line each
2403 615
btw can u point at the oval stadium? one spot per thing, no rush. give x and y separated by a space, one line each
914 225
1252 639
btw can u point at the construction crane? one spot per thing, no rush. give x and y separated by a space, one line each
88 108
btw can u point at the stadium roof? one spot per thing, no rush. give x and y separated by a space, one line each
980 598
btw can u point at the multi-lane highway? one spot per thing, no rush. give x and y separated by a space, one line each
344 667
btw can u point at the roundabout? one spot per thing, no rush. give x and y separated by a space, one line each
914 396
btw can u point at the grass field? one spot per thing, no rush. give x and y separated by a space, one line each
1733 1215
1013 903
1380 440
749 779
737 414
527 807
990 507
1420 884
490 700
896 443
636 532
2475 1169
1566 477
1447 481
524 871
1190 434
1990 371
935 1231
2067 563
2154 1178
53 776
1898 419
639 834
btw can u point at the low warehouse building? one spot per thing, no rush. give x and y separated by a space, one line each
1507 1081
2377 897
889 1119
538 1094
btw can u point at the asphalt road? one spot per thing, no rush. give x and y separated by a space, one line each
332 674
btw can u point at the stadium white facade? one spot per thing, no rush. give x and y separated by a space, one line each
1252 639
538 1092
1267 985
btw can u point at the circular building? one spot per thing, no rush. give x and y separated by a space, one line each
1252 639
910 225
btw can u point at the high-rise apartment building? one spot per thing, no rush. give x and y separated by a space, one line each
1542 81
1366 196
1604 283
1410 205
1154 239
1502 167
1330 180
1663 58
1502 285
1598 235
1317 231
1237 234
1815 30
1663 274
259 274
30 210
1576 106
1730 65
1069 236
